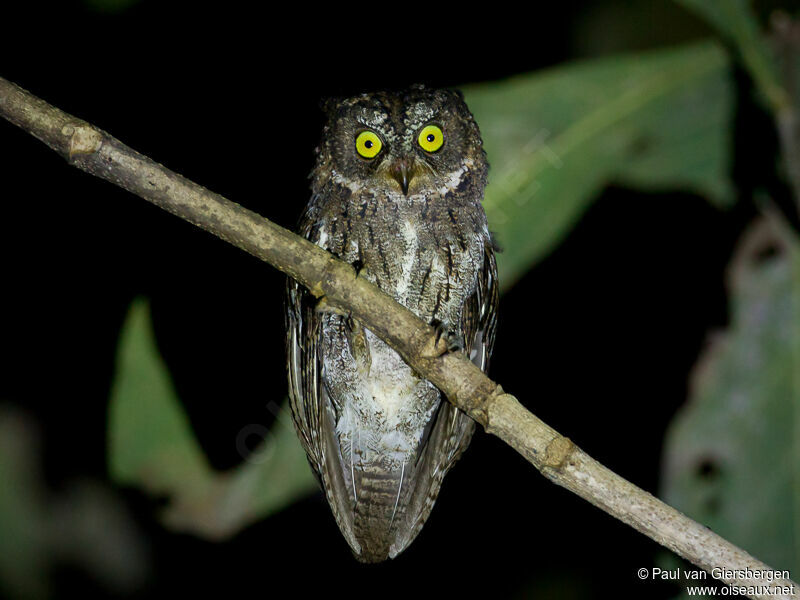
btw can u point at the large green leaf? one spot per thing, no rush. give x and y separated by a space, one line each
735 21
656 120
152 446
732 455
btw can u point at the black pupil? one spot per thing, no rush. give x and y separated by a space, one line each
431 137
368 144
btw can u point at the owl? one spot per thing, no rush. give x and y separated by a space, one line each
396 192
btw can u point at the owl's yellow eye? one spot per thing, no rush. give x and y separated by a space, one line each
430 138
368 144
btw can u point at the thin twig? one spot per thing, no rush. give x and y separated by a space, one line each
336 283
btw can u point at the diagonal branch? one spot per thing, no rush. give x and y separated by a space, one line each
335 282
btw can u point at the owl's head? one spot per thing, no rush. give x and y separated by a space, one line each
407 142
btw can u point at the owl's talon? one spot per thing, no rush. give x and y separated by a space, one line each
455 344
454 341
324 307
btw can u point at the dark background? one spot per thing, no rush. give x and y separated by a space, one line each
597 340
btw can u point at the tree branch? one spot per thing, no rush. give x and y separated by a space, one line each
335 283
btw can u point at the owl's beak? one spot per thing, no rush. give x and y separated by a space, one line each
401 173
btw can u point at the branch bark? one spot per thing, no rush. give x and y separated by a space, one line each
336 283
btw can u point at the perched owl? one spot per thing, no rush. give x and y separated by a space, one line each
397 193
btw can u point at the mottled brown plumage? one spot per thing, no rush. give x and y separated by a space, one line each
379 438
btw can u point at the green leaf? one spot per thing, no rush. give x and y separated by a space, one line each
734 19
732 454
656 121
152 446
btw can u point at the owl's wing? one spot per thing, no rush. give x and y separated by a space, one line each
312 410
479 318
304 385
301 344
479 324
452 429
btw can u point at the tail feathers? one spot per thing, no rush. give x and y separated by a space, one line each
381 509
378 510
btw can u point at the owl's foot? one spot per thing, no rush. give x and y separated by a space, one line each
324 307
455 341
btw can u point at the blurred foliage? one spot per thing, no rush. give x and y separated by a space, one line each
654 121
732 458
732 455
21 509
85 525
736 22
152 446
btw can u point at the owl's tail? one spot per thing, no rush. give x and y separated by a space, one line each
378 510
